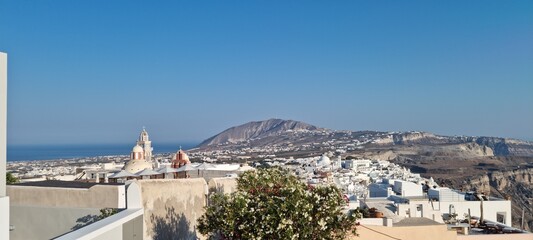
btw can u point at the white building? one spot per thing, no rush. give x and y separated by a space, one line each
407 189
377 190
359 165
495 209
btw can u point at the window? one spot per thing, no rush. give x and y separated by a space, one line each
500 217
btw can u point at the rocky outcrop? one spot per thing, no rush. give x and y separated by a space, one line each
476 149
498 144
506 146
415 137
255 130
516 185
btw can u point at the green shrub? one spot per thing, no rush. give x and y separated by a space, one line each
274 204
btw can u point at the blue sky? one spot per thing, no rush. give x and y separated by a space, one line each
97 71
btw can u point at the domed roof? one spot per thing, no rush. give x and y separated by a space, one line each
181 159
181 155
134 166
137 149
324 160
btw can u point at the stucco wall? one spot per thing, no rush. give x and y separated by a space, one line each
172 207
433 232
496 237
46 212
223 185
98 196
32 222
4 202
490 209
210 174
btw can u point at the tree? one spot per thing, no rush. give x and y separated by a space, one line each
10 179
106 212
274 204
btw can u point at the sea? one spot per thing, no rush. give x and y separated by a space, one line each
56 152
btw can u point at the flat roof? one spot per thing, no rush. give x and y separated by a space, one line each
64 184
416 221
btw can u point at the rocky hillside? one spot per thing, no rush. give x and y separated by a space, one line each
257 130
281 132
498 146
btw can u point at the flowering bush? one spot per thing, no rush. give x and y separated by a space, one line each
274 204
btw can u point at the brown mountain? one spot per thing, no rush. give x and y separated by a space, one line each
257 130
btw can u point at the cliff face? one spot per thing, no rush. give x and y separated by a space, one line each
477 149
418 138
515 184
493 146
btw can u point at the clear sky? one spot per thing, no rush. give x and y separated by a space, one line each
97 71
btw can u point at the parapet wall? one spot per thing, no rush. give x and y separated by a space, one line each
46 212
98 196
172 207
433 232
223 185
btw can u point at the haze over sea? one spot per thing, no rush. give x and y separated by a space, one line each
54 152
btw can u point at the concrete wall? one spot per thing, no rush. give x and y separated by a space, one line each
490 209
46 212
435 212
3 121
126 224
172 207
32 222
376 221
223 185
407 189
4 217
98 196
4 200
210 174
527 236
433 232
426 210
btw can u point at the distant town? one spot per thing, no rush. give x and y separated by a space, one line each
378 187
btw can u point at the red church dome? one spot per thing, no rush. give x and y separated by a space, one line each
181 159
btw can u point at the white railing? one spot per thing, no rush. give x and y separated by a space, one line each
98 229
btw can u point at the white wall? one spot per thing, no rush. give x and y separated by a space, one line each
3 121
126 225
4 217
426 210
490 209
4 200
408 189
